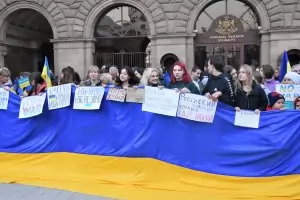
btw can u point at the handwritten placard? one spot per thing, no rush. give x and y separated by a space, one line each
247 118
59 96
23 82
160 101
196 108
88 98
116 94
4 95
31 106
290 92
135 95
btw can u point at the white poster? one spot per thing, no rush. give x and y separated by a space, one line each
247 118
88 98
160 101
59 96
290 92
31 106
197 108
4 96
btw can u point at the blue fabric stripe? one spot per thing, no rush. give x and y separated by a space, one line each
122 129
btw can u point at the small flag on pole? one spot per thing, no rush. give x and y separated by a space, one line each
46 73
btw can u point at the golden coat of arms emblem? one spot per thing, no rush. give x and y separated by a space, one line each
226 26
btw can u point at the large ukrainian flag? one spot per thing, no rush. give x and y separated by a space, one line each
125 153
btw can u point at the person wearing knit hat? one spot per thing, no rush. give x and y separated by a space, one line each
276 101
291 78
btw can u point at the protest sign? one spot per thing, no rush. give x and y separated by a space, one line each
32 106
160 101
23 82
290 93
196 108
4 95
59 96
116 94
247 118
88 98
135 95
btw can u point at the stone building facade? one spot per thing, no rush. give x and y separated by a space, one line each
65 31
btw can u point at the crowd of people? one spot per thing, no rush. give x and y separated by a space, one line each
244 88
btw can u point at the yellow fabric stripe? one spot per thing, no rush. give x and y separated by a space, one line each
138 178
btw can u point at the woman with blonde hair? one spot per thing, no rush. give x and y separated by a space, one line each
93 77
248 94
150 77
106 80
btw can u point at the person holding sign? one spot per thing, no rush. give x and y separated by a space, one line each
127 78
5 79
249 94
69 76
219 86
181 80
150 77
93 77
38 84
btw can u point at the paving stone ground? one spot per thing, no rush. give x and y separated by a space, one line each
23 192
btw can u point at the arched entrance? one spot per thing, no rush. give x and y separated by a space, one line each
229 28
27 39
168 60
122 38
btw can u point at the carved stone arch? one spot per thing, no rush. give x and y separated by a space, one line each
91 17
257 5
49 9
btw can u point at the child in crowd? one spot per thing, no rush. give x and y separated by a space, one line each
297 103
276 101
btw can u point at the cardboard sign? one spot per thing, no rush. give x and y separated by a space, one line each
196 108
88 98
59 96
247 118
32 106
135 95
4 96
116 94
161 101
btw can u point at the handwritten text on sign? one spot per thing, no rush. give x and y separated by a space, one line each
160 101
59 96
32 106
135 95
4 95
247 118
196 108
88 98
290 92
116 94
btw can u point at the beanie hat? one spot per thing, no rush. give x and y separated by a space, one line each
274 97
294 76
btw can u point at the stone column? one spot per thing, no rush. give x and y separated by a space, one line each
180 45
77 53
265 49
3 53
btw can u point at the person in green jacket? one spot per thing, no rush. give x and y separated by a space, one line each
181 80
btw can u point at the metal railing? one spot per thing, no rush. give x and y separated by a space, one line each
134 59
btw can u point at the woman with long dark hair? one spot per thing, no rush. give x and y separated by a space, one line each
127 78
38 84
181 80
68 76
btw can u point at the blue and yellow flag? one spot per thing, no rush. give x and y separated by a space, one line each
46 73
285 66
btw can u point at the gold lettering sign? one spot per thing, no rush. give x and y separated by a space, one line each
226 26
225 38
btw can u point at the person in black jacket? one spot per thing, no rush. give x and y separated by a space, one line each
219 86
249 94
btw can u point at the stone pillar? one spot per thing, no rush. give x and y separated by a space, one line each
180 45
77 53
265 49
3 53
